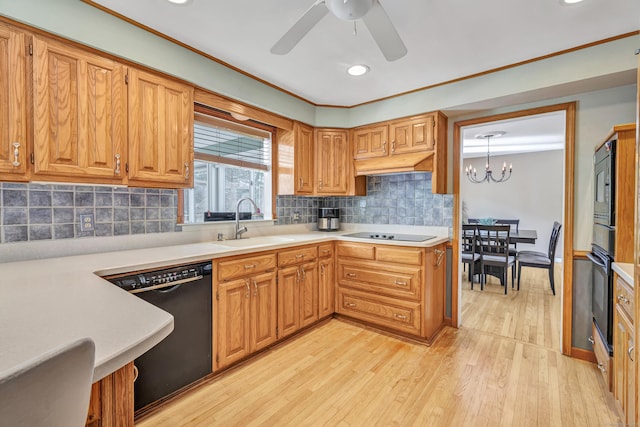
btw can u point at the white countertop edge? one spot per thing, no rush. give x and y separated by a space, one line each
625 271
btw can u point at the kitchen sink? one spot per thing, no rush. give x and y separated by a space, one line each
255 241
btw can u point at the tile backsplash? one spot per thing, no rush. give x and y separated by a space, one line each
30 212
391 199
36 212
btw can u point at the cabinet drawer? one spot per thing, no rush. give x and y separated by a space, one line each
325 250
624 297
396 314
228 270
296 256
602 356
399 255
356 250
393 281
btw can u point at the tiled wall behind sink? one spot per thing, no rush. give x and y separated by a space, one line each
391 199
31 212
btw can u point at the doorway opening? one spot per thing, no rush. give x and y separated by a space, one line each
539 192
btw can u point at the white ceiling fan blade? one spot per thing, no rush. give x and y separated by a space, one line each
291 38
384 33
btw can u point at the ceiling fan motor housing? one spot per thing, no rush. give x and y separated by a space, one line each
349 10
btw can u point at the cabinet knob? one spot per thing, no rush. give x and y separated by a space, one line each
16 154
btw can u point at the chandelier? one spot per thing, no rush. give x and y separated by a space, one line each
488 173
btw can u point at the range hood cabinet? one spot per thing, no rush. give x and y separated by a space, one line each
399 163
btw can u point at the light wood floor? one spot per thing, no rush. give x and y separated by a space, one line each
531 314
343 375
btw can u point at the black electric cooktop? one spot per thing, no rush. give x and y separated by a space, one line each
391 236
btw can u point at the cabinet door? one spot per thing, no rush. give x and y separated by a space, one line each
308 293
263 310
160 130
233 328
13 108
371 141
79 106
632 396
620 337
333 160
303 159
326 287
408 136
436 266
288 301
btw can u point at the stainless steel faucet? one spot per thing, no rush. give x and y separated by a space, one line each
240 230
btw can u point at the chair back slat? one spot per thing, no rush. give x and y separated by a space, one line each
468 239
494 240
513 223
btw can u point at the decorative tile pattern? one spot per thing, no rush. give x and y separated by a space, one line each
30 212
391 199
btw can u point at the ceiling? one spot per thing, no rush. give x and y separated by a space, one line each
540 132
446 39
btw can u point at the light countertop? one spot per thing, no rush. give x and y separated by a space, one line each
625 271
46 303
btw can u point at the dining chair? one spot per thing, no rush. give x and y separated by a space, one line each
51 390
536 259
514 224
494 252
470 251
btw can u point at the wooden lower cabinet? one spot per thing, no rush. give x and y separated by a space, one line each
397 287
297 297
246 314
111 402
326 287
624 354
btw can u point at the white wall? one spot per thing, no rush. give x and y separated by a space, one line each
534 194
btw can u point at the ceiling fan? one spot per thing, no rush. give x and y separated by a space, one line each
372 13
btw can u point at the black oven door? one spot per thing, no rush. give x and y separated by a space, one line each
602 293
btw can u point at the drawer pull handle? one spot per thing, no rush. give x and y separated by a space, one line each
135 373
299 256
349 304
393 146
624 299
326 252
322 269
246 283
351 274
591 340
304 274
384 147
117 170
601 367
300 183
255 288
248 266
400 316
440 255
629 353
16 154
186 170
398 282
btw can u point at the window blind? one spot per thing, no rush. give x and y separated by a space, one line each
220 141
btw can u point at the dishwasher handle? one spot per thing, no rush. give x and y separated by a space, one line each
163 286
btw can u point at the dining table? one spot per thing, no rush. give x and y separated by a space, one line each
523 236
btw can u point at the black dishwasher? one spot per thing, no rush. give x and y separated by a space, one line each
185 355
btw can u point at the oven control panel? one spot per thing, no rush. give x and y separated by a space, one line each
134 282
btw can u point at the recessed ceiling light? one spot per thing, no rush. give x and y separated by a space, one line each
357 70
179 1
570 1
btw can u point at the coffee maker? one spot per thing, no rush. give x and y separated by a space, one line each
328 219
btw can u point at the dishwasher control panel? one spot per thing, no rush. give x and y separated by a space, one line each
138 281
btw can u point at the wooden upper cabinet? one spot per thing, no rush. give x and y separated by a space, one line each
333 162
160 131
371 141
412 135
79 104
303 158
13 108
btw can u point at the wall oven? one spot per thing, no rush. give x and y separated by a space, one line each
603 244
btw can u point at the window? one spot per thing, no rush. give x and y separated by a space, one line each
232 161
